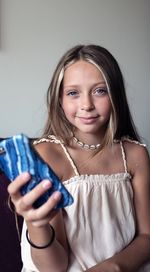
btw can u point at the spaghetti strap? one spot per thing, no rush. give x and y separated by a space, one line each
132 141
53 139
70 159
123 157
123 151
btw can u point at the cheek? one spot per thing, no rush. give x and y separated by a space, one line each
105 106
108 107
68 108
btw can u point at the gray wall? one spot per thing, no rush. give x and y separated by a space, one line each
35 33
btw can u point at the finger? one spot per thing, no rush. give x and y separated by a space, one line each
42 222
46 210
29 198
15 186
49 206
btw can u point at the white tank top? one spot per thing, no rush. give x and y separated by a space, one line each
100 222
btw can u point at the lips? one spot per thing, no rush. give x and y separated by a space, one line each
88 120
88 116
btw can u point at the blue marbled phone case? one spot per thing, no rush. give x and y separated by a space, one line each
17 155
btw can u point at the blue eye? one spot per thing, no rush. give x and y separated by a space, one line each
100 91
72 93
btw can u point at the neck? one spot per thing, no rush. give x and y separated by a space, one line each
86 145
89 138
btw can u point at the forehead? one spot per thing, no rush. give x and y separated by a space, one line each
82 70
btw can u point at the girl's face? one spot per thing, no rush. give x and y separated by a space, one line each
85 99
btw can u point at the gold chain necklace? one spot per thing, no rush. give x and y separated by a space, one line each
86 146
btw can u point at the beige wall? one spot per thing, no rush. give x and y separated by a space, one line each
34 34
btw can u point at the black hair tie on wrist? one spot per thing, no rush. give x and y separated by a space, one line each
41 247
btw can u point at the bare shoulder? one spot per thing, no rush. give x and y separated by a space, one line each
52 154
137 156
48 149
139 164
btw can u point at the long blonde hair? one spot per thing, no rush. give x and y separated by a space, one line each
120 123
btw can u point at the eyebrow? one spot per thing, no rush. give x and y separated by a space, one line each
94 85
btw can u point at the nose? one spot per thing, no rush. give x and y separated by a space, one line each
87 103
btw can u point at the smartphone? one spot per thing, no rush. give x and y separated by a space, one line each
17 155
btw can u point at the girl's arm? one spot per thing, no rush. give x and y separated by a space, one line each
138 252
55 256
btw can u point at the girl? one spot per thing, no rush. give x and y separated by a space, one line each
91 143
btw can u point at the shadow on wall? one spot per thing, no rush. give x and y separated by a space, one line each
0 25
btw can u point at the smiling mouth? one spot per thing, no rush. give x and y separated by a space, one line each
88 120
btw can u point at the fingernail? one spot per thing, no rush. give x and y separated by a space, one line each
46 184
25 175
57 195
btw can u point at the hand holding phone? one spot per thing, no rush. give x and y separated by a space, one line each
17 155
